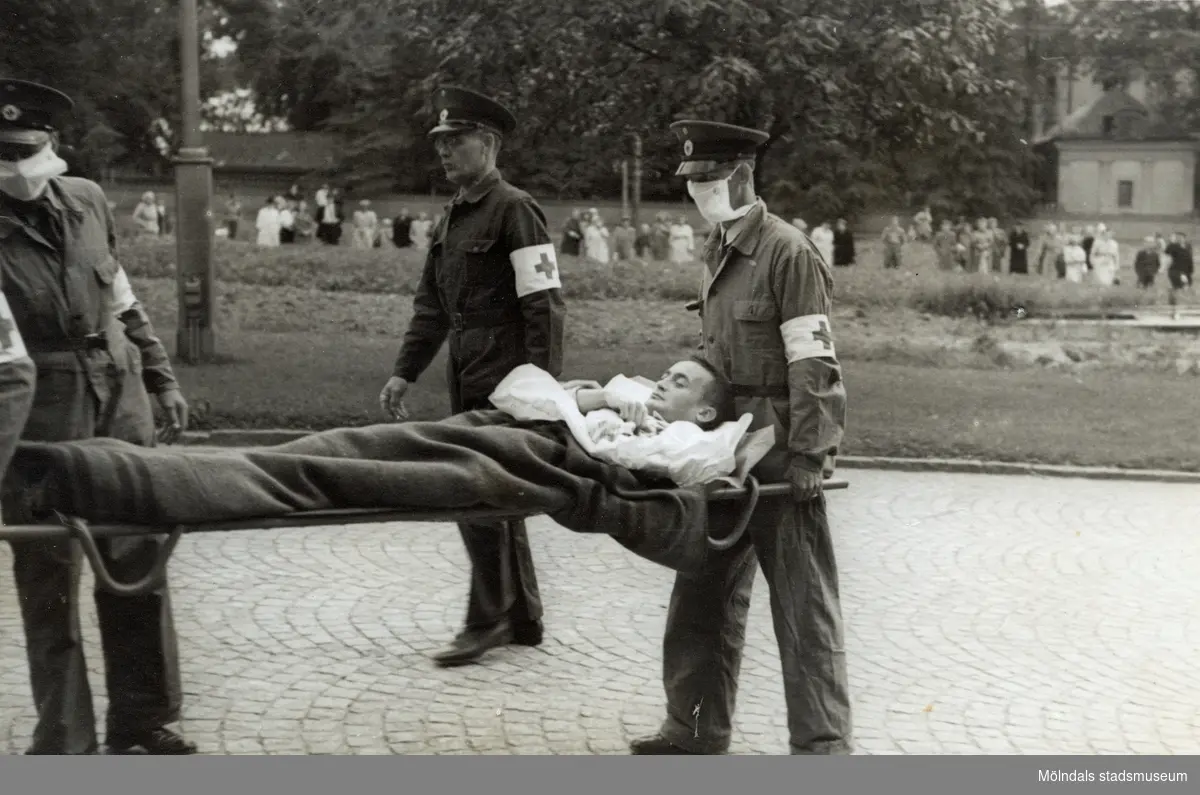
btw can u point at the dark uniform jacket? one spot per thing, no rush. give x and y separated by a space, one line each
91 341
766 302
490 284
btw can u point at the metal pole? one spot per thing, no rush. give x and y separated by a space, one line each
625 187
637 177
193 202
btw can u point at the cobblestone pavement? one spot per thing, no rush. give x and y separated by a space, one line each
985 614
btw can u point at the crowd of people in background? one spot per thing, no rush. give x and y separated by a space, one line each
1080 254
1076 255
586 235
287 219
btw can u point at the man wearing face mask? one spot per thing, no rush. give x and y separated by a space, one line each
765 309
97 359
491 285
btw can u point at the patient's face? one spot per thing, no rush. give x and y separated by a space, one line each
679 394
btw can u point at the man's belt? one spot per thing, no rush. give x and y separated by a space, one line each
748 390
89 342
461 321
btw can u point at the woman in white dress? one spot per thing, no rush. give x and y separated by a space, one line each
822 238
145 215
683 240
1075 259
366 226
268 222
1106 258
418 233
595 238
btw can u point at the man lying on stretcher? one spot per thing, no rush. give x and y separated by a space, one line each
689 391
474 460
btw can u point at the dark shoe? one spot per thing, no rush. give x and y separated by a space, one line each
155 742
657 745
471 644
528 633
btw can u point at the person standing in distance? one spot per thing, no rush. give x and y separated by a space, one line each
491 285
765 310
97 361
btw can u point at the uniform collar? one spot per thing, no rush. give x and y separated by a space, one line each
480 189
744 233
54 195
23 215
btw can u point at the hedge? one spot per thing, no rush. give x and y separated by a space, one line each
920 285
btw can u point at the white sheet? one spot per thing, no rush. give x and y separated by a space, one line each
683 452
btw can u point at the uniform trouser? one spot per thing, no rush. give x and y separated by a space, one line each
503 580
706 630
137 634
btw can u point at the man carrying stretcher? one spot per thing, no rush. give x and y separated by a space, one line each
478 459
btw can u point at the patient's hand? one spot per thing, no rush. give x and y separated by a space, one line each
630 410
652 426
606 426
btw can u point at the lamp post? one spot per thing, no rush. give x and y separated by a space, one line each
193 202
637 178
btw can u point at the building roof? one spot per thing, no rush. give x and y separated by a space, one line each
1114 116
274 151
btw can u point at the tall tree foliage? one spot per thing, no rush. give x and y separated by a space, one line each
1157 40
850 90
119 62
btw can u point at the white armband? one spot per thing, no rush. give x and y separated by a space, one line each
536 269
807 337
12 347
123 297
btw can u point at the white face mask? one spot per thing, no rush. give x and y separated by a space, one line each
712 200
26 179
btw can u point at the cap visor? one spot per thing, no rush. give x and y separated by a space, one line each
448 128
452 127
698 167
23 135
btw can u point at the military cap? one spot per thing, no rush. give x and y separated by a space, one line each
30 106
706 145
463 109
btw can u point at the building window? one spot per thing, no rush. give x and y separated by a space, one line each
1125 194
1107 127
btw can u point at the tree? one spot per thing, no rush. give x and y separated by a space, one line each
119 62
1157 40
846 89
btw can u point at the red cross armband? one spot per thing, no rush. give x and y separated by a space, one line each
536 269
807 337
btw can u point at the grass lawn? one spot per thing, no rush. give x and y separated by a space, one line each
1099 418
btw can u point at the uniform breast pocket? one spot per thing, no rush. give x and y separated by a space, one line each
757 324
757 353
478 269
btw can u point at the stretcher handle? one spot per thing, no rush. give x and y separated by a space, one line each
772 490
153 579
752 493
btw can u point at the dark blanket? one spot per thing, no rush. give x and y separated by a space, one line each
481 459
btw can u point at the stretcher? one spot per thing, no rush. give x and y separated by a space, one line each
70 527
